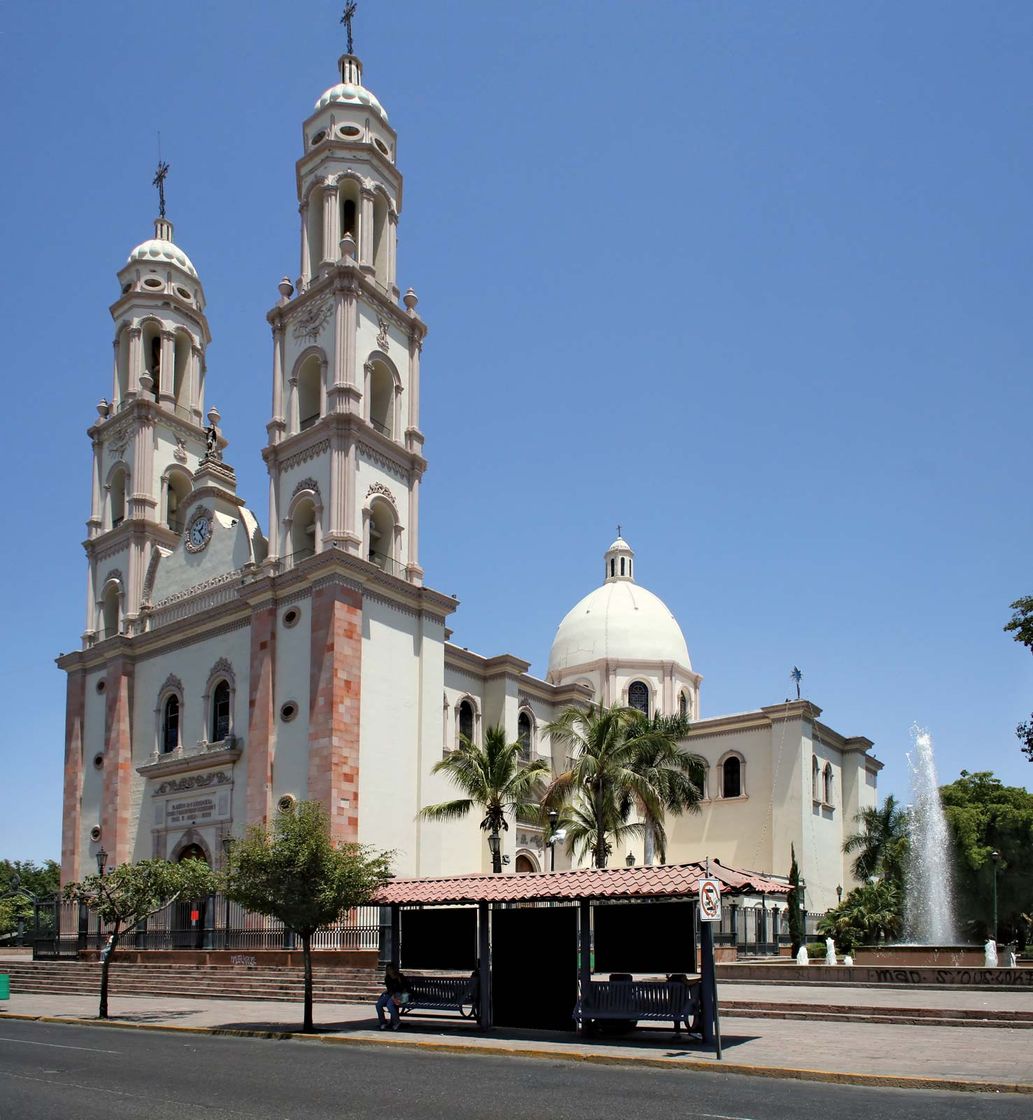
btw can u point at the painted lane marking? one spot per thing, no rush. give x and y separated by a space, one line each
58 1046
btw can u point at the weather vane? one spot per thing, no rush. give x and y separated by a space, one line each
796 676
346 19
159 182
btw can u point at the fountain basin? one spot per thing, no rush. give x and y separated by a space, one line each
914 956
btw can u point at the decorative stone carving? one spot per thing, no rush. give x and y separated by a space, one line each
382 340
193 781
306 484
380 488
383 462
172 684
222 669
115 574
310 322
300 457
180 454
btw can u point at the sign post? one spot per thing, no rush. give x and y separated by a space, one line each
709 913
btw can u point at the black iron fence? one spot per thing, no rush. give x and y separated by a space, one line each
64 929
758 928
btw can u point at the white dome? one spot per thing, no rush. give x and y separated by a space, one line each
350 94
620 621
157 249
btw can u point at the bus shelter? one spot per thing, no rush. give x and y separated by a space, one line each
543 947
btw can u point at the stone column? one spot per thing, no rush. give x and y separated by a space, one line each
196 388
335 682
392 249
413 569
116 396
71 824
167 373
115 822
274 511
135 360
306 266
261 739
331 238
352 531
277 375
366 230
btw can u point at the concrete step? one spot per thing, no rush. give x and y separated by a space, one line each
922 1016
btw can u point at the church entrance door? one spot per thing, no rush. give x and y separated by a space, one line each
188 931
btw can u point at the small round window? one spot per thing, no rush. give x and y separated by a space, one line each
101 685
381 145
183 294
98 761
125 288
152 282
291 617
319 137
288 711
350 130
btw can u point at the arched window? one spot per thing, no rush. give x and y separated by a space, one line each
815 779
613 566
111 610
180 387
382 535
178 488
310 395
170 724
683 705
731 777
381 391
524 865
466 720
220 729
303 530
348 195
314 231
524 735
117 497
827 784
638 695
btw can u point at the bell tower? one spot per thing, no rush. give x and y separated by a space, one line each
149 437
345 448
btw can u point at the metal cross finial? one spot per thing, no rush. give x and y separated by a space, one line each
346 19
618 529
159 182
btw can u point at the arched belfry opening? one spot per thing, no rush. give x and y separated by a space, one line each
382 529
117 496
381 391
314 231
177 491
310 392
304 530
111 610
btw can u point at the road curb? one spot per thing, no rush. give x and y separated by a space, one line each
693 1065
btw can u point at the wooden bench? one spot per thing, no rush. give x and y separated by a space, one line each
629 1001
444 993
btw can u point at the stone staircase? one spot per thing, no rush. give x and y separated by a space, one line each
916 1016
330 985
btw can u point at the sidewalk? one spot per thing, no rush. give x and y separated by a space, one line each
990 1059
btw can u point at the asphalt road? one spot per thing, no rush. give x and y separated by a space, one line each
57 1072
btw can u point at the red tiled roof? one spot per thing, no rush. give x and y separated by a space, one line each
669 881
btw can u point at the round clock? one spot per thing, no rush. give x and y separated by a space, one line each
199 532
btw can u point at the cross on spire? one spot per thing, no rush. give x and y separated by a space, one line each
159 182
618 528
346 19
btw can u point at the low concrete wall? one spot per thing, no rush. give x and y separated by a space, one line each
950 956
242 960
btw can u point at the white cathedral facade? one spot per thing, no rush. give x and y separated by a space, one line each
226 671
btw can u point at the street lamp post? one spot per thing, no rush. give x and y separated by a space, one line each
496 858
553 818
102 862
839 895
996 857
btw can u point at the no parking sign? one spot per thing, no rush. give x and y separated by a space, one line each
710 900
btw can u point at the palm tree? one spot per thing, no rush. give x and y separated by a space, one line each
881 842
619 758
494 780
678 776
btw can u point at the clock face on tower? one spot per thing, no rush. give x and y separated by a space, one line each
199 531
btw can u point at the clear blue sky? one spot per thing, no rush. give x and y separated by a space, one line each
752 279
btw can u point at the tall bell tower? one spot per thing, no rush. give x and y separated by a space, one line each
344 451
149 437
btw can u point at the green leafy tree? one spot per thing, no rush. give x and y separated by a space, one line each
619 759
22 884
794 902
870 913
131 893
1020 626
881 842
298 874
987 816
495 782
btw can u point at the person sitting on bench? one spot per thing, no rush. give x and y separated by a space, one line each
396 992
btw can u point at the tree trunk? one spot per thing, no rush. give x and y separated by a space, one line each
600 833
648 845
306 950
105 964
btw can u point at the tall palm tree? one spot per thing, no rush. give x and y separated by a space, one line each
678 776
618 759
494 780
880 842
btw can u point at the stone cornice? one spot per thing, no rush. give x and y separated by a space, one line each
349 277
604 664
508 665
204 759
156 301
306 444
112 541
148 410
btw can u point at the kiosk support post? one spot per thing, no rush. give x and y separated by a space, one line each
484 965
